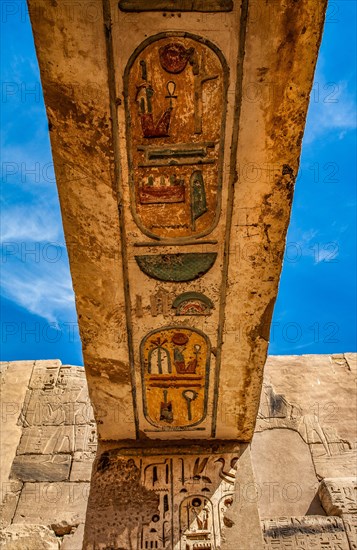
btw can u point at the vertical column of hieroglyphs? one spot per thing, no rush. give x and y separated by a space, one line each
174 140
173 501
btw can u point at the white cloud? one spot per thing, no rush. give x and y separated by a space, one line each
332 108
28 223
34 266
308 236
43 288
309 244
326 252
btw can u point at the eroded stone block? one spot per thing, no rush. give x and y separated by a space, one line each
75 540
47 440
350 523
285 475
290 533
29 537
339 496
13 390
82 466
10 494
41 467
50 503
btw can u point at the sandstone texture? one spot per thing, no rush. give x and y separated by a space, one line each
306 427
31 537
305 532
276 492
176 139
311 395
48 420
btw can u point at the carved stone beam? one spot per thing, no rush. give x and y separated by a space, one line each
176 238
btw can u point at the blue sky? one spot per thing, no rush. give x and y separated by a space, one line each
316 305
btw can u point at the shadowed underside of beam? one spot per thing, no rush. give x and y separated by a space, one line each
176 140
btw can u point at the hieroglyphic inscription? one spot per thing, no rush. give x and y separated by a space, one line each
350 523
175 90
339 496
304 533
192 303
187 497
175 364
159 303
59 432
44 378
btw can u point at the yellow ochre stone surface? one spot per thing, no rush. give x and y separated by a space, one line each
153 136
290 476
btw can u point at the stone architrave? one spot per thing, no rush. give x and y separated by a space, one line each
176 139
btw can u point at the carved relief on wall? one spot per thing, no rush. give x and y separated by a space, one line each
196 523
306 532
175 364
187 497
330 452
175 87
59 436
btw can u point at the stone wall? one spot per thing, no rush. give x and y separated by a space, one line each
303 453
48 445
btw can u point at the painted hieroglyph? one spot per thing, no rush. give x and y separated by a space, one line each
175 89
175 374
